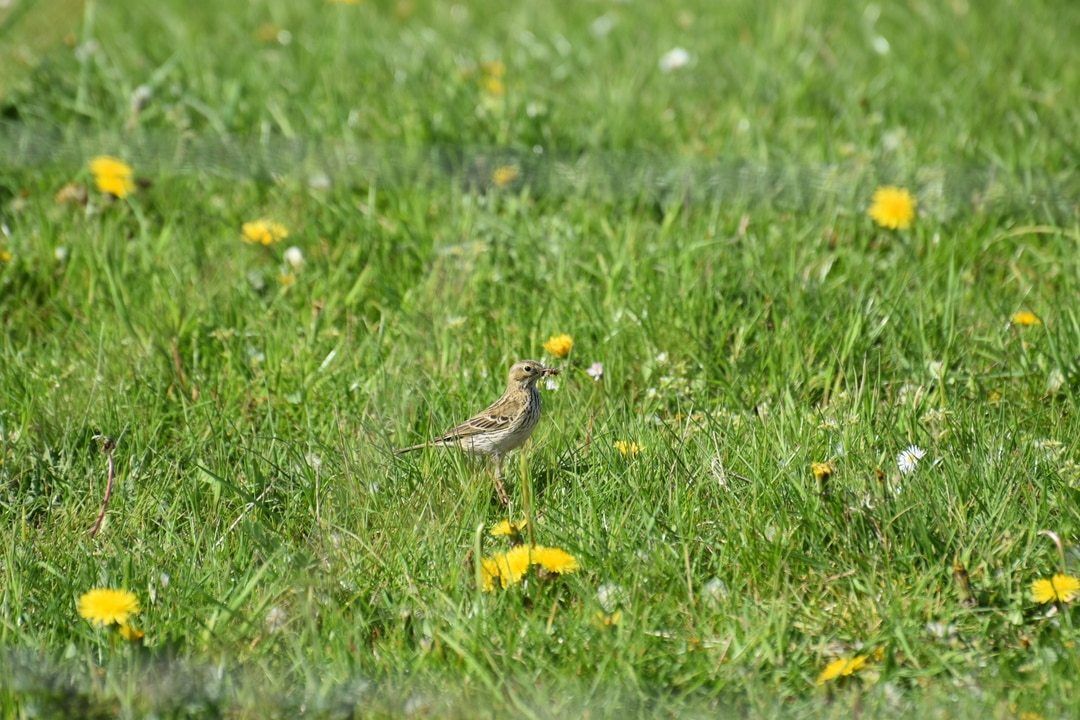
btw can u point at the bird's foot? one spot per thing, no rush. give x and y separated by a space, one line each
500 490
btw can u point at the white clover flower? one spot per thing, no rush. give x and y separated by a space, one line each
611 596
276 619
1054 381
714 591
716 467
601 26
551 384
892 139
909 458
295 257
596 371
674 59
85 51
941 630
141 97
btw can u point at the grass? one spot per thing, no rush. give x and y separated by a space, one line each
702 233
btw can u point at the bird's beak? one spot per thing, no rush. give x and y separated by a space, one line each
549 371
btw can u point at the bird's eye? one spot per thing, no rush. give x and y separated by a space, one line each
528 368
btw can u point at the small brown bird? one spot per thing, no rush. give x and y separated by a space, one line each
504 426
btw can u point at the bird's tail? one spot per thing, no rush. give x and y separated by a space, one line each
402 451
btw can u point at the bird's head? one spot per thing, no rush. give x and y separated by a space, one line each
527 372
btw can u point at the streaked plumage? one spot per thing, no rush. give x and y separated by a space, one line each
504 425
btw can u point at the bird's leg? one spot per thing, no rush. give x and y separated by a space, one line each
500 489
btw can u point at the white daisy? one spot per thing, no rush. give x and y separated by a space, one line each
551 384
909 458
596 371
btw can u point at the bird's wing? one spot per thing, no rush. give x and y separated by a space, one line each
499 416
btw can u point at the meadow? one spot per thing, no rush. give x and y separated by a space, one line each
806 464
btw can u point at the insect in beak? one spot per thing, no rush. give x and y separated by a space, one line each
549 371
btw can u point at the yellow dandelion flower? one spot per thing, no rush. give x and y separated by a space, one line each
493 86
509 567
504 175
130 633
103 606
841 667
1025 318
822 470
263 232
267 33
554 560
559 345
112 176
286 280
5 256
489 572
892 208
1060 588
505 528
491 80
493 68
513 564
627 448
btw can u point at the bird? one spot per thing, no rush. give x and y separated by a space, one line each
503 426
